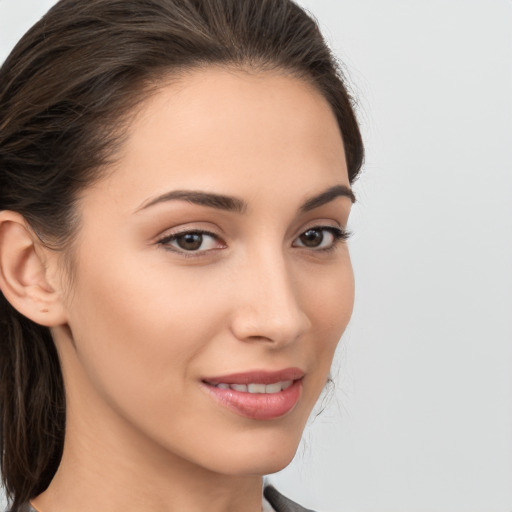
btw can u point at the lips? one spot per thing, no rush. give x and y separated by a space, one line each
260 395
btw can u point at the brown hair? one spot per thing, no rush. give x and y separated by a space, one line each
66 91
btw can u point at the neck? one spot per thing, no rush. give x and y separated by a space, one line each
102 471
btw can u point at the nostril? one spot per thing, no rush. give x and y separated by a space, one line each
277 330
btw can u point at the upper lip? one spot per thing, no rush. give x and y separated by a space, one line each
257 377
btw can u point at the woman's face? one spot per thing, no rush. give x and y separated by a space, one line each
212 257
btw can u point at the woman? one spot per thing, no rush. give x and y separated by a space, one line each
174 192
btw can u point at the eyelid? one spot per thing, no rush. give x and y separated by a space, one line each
339 233
164 241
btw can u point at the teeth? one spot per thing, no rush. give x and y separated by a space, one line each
257 388
273 388
286 384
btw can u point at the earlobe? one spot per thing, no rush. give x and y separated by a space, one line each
24 272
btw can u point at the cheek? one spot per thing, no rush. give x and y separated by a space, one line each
329 301
136 328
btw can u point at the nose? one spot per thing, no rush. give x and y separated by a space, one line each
269 304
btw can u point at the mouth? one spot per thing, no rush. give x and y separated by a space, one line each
259 395
255 387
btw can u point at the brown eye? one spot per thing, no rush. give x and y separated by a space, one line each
192 241
312 238
189 241
321 238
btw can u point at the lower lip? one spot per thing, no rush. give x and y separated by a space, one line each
258 406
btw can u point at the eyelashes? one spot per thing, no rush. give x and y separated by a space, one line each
197 242
321 238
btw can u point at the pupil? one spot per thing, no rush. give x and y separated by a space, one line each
312 238
190 241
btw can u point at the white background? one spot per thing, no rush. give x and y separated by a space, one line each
422 416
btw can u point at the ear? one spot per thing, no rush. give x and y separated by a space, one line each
28 272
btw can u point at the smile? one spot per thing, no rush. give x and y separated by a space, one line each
257 388
258 395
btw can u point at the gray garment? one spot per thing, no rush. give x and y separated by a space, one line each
279 502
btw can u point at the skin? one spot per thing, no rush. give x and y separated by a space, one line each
142 323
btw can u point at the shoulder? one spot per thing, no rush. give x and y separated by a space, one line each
281 503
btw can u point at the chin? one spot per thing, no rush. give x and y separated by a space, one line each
261 455
260 466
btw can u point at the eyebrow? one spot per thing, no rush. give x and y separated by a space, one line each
327 196
234 204
218 201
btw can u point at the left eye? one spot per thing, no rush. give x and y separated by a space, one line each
192 241
320 237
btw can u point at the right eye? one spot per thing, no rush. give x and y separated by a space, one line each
194 241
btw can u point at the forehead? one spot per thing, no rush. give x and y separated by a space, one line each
220 128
